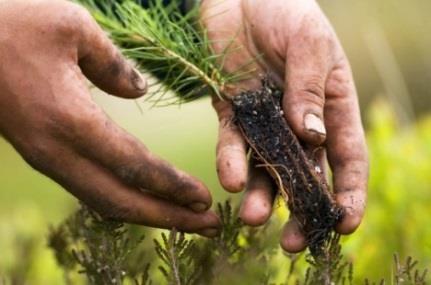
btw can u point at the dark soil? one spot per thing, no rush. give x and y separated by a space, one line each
301 182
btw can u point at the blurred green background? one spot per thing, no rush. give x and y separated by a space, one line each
388 43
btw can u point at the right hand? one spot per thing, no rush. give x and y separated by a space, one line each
293 41
47 48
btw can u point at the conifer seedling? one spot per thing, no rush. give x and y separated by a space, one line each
174 49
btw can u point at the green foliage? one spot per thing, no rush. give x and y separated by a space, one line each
100 250
176 252
330 268
405 274
170 46
398 211
396 220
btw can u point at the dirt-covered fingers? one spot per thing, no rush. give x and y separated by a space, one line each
308 61
258 200
129 160
107 194
292 239
82 125
102 62
231 150
346 146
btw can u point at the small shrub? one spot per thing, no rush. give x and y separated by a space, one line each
101 251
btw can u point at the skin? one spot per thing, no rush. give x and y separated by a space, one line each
294 42
47 50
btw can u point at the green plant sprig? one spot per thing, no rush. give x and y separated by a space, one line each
170 46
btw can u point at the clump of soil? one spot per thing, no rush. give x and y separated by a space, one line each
259 115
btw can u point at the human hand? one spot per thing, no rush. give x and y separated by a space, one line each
292 41
47 48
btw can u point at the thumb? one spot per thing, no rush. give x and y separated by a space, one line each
304 97
102 63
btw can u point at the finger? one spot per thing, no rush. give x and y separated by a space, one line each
308 63
353 203
292 239
346 147
86 128
103 64
231 150
256 206
104 192
317 155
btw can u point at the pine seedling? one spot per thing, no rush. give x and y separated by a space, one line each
175 50
170 46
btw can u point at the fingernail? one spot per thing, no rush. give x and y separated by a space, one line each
211 232
139 81
199 207
314 124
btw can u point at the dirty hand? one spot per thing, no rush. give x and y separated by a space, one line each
47 49
294 42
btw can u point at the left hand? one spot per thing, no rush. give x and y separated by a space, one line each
48 49
294 42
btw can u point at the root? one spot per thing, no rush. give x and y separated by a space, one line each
258 114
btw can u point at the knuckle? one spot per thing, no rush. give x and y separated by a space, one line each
187 188
314 86
341 84
223 109
311 92
37 153
184 189
111 209
183 222
315 33
70 22
114 212
351 154
75 14
138 173
71 19
71 124
131 173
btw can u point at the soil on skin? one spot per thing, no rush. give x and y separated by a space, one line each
259 115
